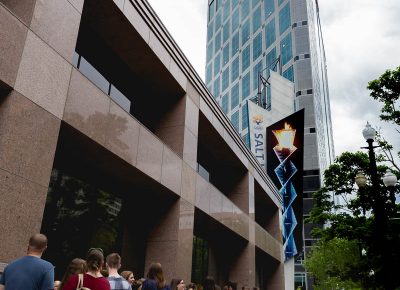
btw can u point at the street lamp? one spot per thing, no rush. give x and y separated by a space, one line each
361 182
390 180
380 243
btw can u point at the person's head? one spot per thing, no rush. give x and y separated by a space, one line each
177 284
37 244
156 273
95 260
76 266
231 285
57 285
128 276
209 283
191 286
113 261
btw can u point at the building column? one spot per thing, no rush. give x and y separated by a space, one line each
171 242
243 270
277 280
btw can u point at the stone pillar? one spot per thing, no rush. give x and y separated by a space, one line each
38 39
240 193
277 280
243 270
171 242
171 127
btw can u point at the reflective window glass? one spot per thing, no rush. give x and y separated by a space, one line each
257 46
217 42
256 72
235 69
256 19
209 73
210 30
226 31
225 55
245 117
227 9
245 9
245 31
271 58
286 49
268 7
289 74
210 50
245 58
235 20
270 33
217 21
217 64
284 18
217 86
246 86
225 79
211 10
225 103
235 120
255 3
234 3
235 43
235 96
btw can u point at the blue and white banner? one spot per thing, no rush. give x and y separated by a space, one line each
257 128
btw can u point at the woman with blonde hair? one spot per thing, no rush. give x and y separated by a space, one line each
92 279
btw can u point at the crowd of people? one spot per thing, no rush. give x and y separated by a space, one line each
95 273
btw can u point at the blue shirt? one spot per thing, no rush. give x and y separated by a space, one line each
150 284
28 273
118 283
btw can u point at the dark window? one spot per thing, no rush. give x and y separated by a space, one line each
309 92
312 130
199 260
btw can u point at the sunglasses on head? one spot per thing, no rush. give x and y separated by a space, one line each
97 249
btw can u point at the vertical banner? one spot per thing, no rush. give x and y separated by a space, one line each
285 140
257 125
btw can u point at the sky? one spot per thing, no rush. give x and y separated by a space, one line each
362 40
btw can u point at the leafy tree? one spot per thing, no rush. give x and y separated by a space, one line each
334 264
352 218
386 90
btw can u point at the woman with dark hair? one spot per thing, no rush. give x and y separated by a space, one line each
177 284
209 284
92 279
155 279
77 266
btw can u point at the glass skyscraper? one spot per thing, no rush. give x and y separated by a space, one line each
248 36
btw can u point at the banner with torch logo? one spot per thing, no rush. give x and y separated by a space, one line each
285 141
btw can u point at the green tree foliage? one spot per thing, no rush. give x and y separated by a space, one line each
334 264
386 89
340 205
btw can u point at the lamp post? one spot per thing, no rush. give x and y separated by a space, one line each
380 242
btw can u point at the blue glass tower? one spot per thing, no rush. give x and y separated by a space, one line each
245 37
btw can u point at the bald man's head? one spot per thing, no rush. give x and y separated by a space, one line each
37 243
